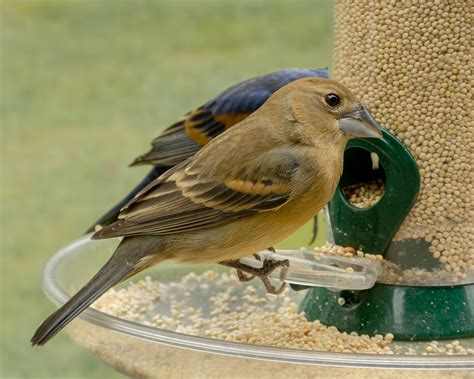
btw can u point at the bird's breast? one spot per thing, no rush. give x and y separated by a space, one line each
250 234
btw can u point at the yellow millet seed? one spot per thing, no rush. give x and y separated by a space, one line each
365 195
410 62
274 321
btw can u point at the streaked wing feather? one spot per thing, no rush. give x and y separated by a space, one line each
170 148
181 200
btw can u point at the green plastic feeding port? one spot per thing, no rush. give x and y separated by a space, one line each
372 229
410 312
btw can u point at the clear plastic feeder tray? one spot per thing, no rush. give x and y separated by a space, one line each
142 351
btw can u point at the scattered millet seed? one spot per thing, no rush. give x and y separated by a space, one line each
221 307
341 301
349 250
234 312
133 302
450 348
411 63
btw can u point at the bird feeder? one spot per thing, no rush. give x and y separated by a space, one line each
410 64
406 197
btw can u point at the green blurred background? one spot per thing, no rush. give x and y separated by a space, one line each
85 85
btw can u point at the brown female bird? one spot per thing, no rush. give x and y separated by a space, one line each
244 191
187 136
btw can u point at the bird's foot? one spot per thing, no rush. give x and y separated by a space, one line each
268 266
271 289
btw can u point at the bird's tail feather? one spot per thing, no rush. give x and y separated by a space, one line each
111 216
109 275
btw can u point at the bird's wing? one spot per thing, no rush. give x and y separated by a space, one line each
170 148
183 199
186 137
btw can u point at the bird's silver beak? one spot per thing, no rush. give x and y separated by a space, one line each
360 123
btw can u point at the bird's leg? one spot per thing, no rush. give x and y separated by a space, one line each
244 278
268 266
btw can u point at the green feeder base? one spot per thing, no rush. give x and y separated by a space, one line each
408 312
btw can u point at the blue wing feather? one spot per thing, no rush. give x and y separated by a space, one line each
248 96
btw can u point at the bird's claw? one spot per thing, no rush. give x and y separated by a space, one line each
271 289
268 266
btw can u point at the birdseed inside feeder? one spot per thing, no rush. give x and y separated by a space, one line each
410 63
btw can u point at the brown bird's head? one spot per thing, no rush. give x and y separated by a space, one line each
326 111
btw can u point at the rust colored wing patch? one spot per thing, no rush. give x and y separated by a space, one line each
202 125
186 137
231 119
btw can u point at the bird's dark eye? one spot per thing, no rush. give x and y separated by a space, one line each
332 99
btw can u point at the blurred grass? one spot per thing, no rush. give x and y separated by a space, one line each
85 85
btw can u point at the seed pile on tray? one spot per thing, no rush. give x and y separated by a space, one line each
411 64
231 311
216 305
